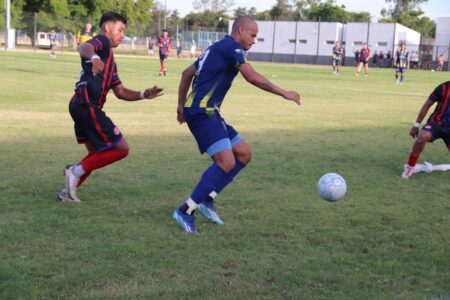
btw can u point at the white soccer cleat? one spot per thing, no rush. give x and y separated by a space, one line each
408 172
71 184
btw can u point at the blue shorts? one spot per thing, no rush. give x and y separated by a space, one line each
400 69
162 56
212 133
336 61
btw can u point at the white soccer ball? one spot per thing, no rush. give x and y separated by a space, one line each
331 187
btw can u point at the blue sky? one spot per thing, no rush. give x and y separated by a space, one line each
433 8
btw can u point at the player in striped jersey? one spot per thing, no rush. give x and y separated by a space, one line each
437 127
103 140
401 63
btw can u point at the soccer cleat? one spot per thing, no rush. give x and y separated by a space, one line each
64 196
208 210
408 172
186 222
72 183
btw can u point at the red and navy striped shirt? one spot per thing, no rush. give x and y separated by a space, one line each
93 89
441 95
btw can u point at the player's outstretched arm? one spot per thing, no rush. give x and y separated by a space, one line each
263 83
414 132
123 93
186 80
87 51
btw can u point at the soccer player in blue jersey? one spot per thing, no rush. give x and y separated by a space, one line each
103 140
213 73
52 38
337 55
401 63
437 127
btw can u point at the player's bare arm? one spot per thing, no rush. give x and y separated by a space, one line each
87 51
422 113
263 83
126 94
186 80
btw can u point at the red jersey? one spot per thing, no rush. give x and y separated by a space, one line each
364 54
164 44
441 95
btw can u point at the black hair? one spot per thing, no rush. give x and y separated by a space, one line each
165 30
112 16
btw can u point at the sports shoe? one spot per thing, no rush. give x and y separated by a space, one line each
64 196
187 222
208 210
408 172
72 183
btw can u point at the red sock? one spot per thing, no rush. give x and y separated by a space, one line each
413 157
86 175
100 159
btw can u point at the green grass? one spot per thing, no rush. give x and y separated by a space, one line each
387 239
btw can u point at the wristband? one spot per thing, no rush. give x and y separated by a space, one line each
141 94
95 56
417 125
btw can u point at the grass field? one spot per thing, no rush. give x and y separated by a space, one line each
387 239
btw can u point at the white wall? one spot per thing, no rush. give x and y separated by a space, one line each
307 34
355 35
442 39
381 37
284 32
407 35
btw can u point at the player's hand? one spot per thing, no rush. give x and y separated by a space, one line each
153 92
180 113
414 132
97 66
292 96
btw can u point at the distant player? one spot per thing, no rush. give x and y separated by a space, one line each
164 42
440 63
86 34
364 58
52 38
213 73
103 140
437 127
401 63
337 55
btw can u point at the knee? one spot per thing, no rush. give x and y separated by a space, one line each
423 138
227 164
245 157
124 152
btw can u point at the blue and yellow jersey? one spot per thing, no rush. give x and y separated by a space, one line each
52 38
402 58
337 52
216 69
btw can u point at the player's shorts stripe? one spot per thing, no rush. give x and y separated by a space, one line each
236 140
205 100
190 100
219 146
97 125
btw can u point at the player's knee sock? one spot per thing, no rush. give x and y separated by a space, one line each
226 181
100 159
413 157
209 182
86 174
402 78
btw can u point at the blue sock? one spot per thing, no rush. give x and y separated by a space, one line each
230 176
209 182
401 78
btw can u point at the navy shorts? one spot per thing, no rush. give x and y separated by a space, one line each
336 61
400 69
92 125
438 132
212 133
162 56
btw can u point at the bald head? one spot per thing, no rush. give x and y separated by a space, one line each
244 32
243 22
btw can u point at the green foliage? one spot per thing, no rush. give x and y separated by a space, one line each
207 18
407 13
243 11
212 5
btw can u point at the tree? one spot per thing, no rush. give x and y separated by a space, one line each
208 19
243 11
408 13
282 10
212 5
